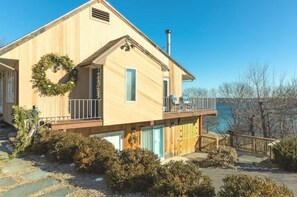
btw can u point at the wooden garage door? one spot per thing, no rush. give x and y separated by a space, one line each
189 133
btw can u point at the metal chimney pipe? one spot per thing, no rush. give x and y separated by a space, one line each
168 33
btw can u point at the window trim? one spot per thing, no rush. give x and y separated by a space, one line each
10 86
126 100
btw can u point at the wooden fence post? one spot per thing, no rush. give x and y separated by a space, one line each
231 133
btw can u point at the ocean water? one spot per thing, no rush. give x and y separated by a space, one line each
220 123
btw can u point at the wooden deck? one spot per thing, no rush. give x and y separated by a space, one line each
76 124
185 114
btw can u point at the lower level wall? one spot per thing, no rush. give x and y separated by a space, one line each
180 135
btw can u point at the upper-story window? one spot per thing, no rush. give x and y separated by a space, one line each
10 86
130 84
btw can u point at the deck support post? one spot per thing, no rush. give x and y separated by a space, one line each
200 132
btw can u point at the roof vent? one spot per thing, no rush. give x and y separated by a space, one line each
99 14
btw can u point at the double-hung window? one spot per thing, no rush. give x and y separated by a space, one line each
10 80
130 84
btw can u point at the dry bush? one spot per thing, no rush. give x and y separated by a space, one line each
248 186
224 157
177 178
94 155
65 148
286 154
132 171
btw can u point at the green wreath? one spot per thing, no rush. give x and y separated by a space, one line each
54 62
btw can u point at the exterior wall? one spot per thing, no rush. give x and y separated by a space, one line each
149 88
174 142
99 33
62 39
78 36
181 136
175 79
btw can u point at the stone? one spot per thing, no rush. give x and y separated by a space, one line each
6 181
31 188
15 168
35 175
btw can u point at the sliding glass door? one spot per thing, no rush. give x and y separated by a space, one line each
152 138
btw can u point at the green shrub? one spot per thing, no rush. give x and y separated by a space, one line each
249 186
181 179
285 153
225 157
25 121
132 171
94 155
65 148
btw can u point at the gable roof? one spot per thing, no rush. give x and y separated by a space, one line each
35 33
113 45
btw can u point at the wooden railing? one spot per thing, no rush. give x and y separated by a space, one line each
192 104
211 143
53 110
253 144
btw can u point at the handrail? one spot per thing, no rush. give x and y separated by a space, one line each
189 104
70 109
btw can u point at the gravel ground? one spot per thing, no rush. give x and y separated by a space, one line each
249 164
86 185
82 184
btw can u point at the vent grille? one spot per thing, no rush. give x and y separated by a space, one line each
99 14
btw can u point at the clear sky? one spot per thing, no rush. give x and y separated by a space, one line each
216 40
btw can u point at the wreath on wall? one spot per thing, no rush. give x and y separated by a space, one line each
133 139
54 62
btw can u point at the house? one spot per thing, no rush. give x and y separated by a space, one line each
123 83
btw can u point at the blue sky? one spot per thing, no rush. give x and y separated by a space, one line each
216 40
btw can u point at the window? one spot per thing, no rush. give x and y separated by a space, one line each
10 86
166 87
116 138
130 84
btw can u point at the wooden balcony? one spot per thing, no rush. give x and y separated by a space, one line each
187 107
71 113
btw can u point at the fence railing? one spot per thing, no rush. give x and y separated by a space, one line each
70 109
211 143
192 104
253 144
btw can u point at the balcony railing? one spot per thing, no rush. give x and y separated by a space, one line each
70 109
183 104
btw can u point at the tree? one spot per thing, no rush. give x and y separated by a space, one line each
261 103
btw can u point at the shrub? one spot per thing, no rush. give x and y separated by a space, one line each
132 171
65 148
249 186
285 153
223 157
181 179
45 140
25 121
94 155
